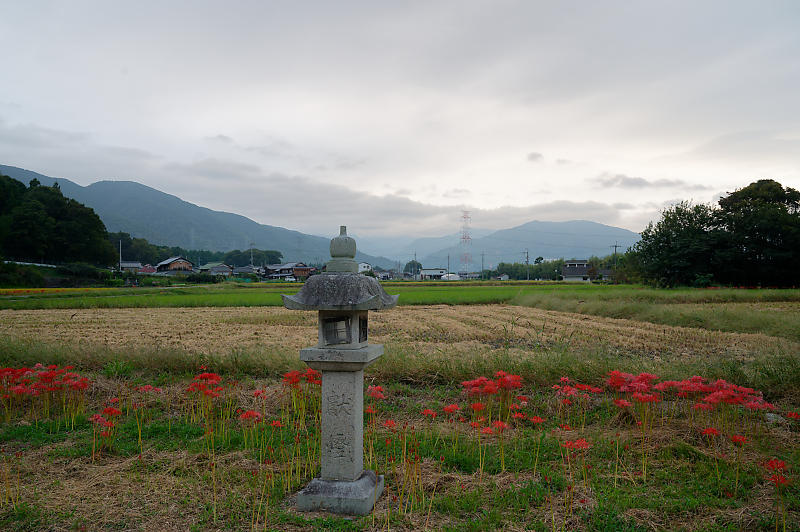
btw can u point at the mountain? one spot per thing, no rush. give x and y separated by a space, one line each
403 248
576 239
165 219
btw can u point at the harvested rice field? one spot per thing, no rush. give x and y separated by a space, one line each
549 461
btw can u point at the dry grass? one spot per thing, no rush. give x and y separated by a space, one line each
428 328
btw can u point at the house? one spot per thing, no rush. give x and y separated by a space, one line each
432 273
451 277
577 270
147 269
298 270
175 264
503 277
129 266
246 270
217 268
364 267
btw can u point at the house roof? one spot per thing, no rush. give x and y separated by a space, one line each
580 270
210 265
130 264
171 260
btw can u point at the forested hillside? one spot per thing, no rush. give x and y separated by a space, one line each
38 224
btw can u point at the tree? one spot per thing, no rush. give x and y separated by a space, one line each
38 223
760 224
412 267
680 247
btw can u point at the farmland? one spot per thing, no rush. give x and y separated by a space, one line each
442 335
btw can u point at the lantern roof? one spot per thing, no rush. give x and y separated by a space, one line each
340 287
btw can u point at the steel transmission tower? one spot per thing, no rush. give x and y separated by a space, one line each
466 244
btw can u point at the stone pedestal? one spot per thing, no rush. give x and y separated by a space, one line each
344 486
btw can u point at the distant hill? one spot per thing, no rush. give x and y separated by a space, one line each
165 219
576 239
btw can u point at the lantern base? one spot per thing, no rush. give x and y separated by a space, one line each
355 497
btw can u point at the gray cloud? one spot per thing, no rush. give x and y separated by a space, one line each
535 157
624 181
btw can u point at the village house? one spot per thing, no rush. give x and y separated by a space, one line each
432 273
298 270
129 266
217 268
577 270
175 264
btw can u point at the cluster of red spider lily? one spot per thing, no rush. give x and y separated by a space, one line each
489 419
42 392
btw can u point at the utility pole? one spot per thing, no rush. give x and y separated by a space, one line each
482 254
415 269
448 265
119 266
527 266
615 246
251 252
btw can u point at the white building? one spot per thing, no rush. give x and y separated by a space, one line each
432 273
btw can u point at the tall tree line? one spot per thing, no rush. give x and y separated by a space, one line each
751 238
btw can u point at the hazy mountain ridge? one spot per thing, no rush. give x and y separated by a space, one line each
576 239
165 219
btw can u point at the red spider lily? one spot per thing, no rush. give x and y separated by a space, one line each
702 406
376 392
389 424
312 376
251 415
739 440
518 415
111 411
622 403
779 480
522 399
536 420
370 410
500 426
259 393
565 427
148 388
477 407
775 465
474 424
98 419
449 409
578 444
486 430
209 378
711 431
645 397
292 378
429 413
793 415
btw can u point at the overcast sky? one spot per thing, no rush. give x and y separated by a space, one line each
390 117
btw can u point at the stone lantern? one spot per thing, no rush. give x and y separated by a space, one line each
343 298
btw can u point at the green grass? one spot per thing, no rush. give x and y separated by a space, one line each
771 312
